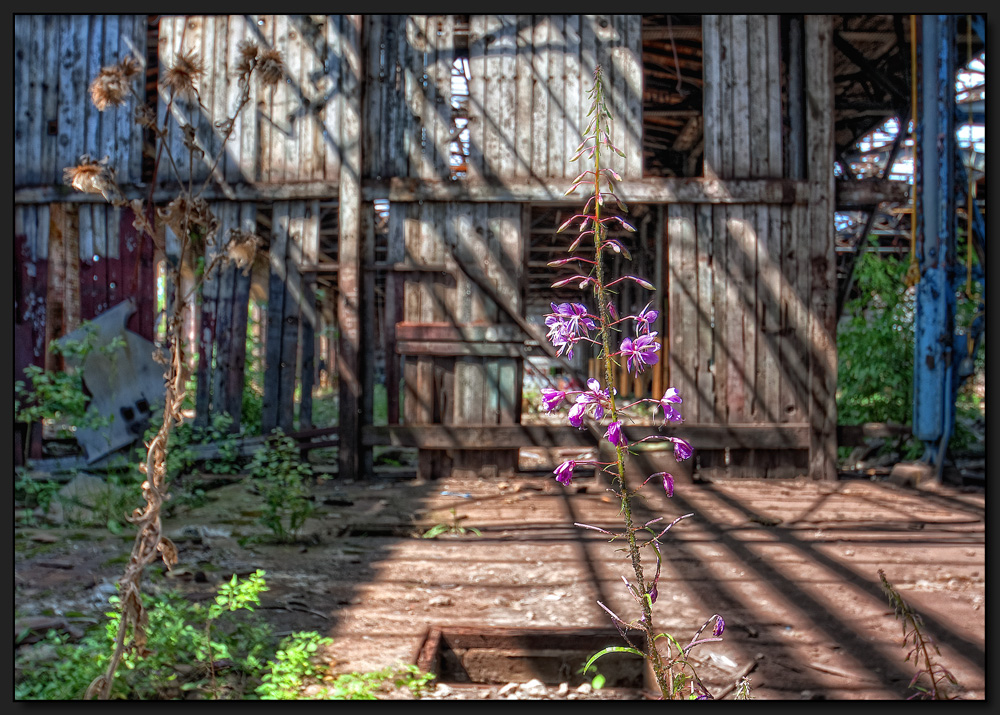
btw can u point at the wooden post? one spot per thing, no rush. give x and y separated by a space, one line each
350 253
818 42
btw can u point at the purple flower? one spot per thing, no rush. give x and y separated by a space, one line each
615 435
720 625
564 472
671 397
640 352
568 324
645 319
551 399
668 484
682 448
592 401
652 593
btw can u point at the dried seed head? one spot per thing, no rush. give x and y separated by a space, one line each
109 88
242 248
92 177
248 56
181 77
272 67
189 218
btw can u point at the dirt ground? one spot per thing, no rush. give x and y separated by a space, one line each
792 566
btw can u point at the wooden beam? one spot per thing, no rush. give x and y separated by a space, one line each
819 91
866 193
350 358
493 436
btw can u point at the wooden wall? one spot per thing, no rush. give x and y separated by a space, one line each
527 93
56 56
291 132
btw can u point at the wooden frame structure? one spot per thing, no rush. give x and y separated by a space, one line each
746 264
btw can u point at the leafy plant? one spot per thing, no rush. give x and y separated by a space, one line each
922 648
279 473
454 527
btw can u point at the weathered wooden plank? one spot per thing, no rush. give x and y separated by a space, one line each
768 378
233 399
207 328
282 155
23 171
309 316
495 152
632 76
450 332
504 47
738 59
248 125
727 99
758 79
291 333
480 161
444 58
375 97
775 120
818 32
721 279
397 47
394 287
228 216
683 332
555 88
795 293
49 62
275 315
414 95
574 97
491 436
524 93
94 54
712 101
72 91
539 96
736 388
350 254
702 405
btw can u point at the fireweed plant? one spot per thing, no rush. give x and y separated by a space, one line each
572 323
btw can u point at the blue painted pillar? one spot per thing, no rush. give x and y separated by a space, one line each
934 369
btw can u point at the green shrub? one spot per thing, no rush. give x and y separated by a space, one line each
280 475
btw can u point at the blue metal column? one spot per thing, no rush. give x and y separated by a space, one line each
934 378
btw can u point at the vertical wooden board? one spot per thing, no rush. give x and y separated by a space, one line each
481 259
133 41
416 42
88 290
246 215
413 283
23 170
757 61
480 162
738 61
263 157
94 54
721 279
394 287
445 57
750 305
108 119
712 95
49 62
398 113
115 263
505 224
29 48
726 98
275 316
704 410
72 91
208 307
523 95
540 96
329 115
250 123
496 150
818 31
168 47
504 47
307 311
374 129
736 388
235 29
227 214
795 293
555 88
573 95
683 292
297 154
281 107
775 118
767 377
205 114
221 146
632 59
291 337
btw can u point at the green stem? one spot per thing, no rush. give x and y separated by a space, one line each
601 293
